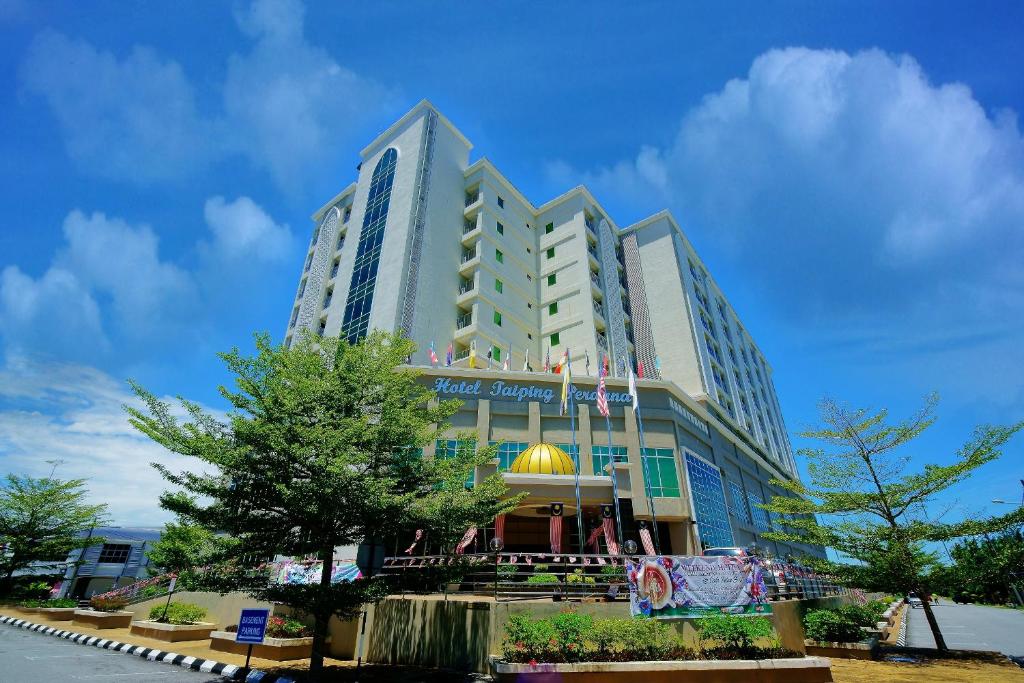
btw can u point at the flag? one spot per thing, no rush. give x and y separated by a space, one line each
602 392
566 382
547 360
472 354
640 368
433 356
607 364
657 366
490 354
645 539
632 390
507 365
526 361
448 357
419 535
609 535
561 362
467 538
586 361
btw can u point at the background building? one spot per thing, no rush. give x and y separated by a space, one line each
118 561
450 252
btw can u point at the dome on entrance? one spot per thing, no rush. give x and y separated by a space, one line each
543 458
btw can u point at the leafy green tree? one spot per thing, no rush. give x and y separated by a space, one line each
184 546
984 569
322 449
41 521
871 508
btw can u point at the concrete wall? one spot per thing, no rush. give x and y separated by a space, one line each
222 610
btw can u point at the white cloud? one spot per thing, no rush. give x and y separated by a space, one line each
286 104
73 413
846 185
133 118
243 229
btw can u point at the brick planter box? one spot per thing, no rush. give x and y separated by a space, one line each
864 650
275 649
95 619
802 670
172 633
58 613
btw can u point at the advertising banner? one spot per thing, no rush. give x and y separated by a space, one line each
676 587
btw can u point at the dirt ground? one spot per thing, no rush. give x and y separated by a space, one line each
935 671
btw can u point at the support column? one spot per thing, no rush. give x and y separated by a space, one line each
533 427
636 469
584 440
483 434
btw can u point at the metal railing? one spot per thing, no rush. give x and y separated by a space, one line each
146 589
463 321
472 198
531 576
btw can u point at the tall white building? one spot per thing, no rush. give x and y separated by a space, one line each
451 252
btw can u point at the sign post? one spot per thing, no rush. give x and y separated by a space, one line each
170 592
252 627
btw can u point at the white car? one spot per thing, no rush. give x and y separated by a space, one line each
914 602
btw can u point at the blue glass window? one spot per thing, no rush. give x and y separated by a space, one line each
661 471
709 503
601 459
448 448
760 515
739 503
573 452
508 451
371 238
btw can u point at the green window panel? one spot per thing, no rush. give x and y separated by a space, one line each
661 471
601 458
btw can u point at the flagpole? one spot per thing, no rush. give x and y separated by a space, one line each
615 480
576 469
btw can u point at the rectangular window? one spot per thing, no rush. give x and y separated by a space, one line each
572 451
448 448
661 470
115 552
549 228
497 286
709 503
553 308
550 253
497 318
552 279
601 459
498 256
501 202
760 515
508 451
496 352
739 504
554 339
501 228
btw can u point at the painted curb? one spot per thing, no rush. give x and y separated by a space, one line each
901 639
229 671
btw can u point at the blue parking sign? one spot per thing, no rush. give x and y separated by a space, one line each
252 625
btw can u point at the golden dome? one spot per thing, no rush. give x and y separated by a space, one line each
543 458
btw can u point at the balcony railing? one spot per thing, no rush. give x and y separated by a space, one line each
466 288
595 278
471 198
593 251
468 227
462 355
468 256
463 321
599 309
602 341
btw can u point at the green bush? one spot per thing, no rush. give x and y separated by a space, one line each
113 604
178 613
507 571
578 577
34 590
59 603
734 632
527 639
637 639
613 572
863 615
832 626
152 591
542 578
541 568
30 604
286 627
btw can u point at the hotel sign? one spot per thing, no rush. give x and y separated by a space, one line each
502 390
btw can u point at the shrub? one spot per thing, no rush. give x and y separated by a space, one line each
578 577
571 629
613 573
112 604
507 571
637 639
541 568
59 602
863 615
178 613
29 603
542 578
831 626
526 639
286 627
152 591
734 632
34 590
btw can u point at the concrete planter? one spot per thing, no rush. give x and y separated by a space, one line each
172 633
864 650
802 670
95 619
276 649
58 613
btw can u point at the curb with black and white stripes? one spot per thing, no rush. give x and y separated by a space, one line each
230 671
901 638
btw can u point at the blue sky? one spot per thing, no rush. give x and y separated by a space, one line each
852 173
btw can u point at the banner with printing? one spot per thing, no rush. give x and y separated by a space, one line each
686 586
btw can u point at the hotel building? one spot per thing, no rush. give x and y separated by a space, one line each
450 252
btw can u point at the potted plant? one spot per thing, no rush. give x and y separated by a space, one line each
841 632
58 609
176 622
286 638
104 613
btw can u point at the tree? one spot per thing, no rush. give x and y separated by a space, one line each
322 448
872 510
984 569
41 521
184 546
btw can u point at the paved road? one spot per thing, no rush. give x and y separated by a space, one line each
970 627
35 657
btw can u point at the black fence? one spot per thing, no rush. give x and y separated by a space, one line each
530 576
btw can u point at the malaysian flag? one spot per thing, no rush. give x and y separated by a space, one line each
556 534
645 539
602 393
448 356
433 356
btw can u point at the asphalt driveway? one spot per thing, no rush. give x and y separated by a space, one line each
970 627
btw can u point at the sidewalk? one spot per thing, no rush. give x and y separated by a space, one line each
198 648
